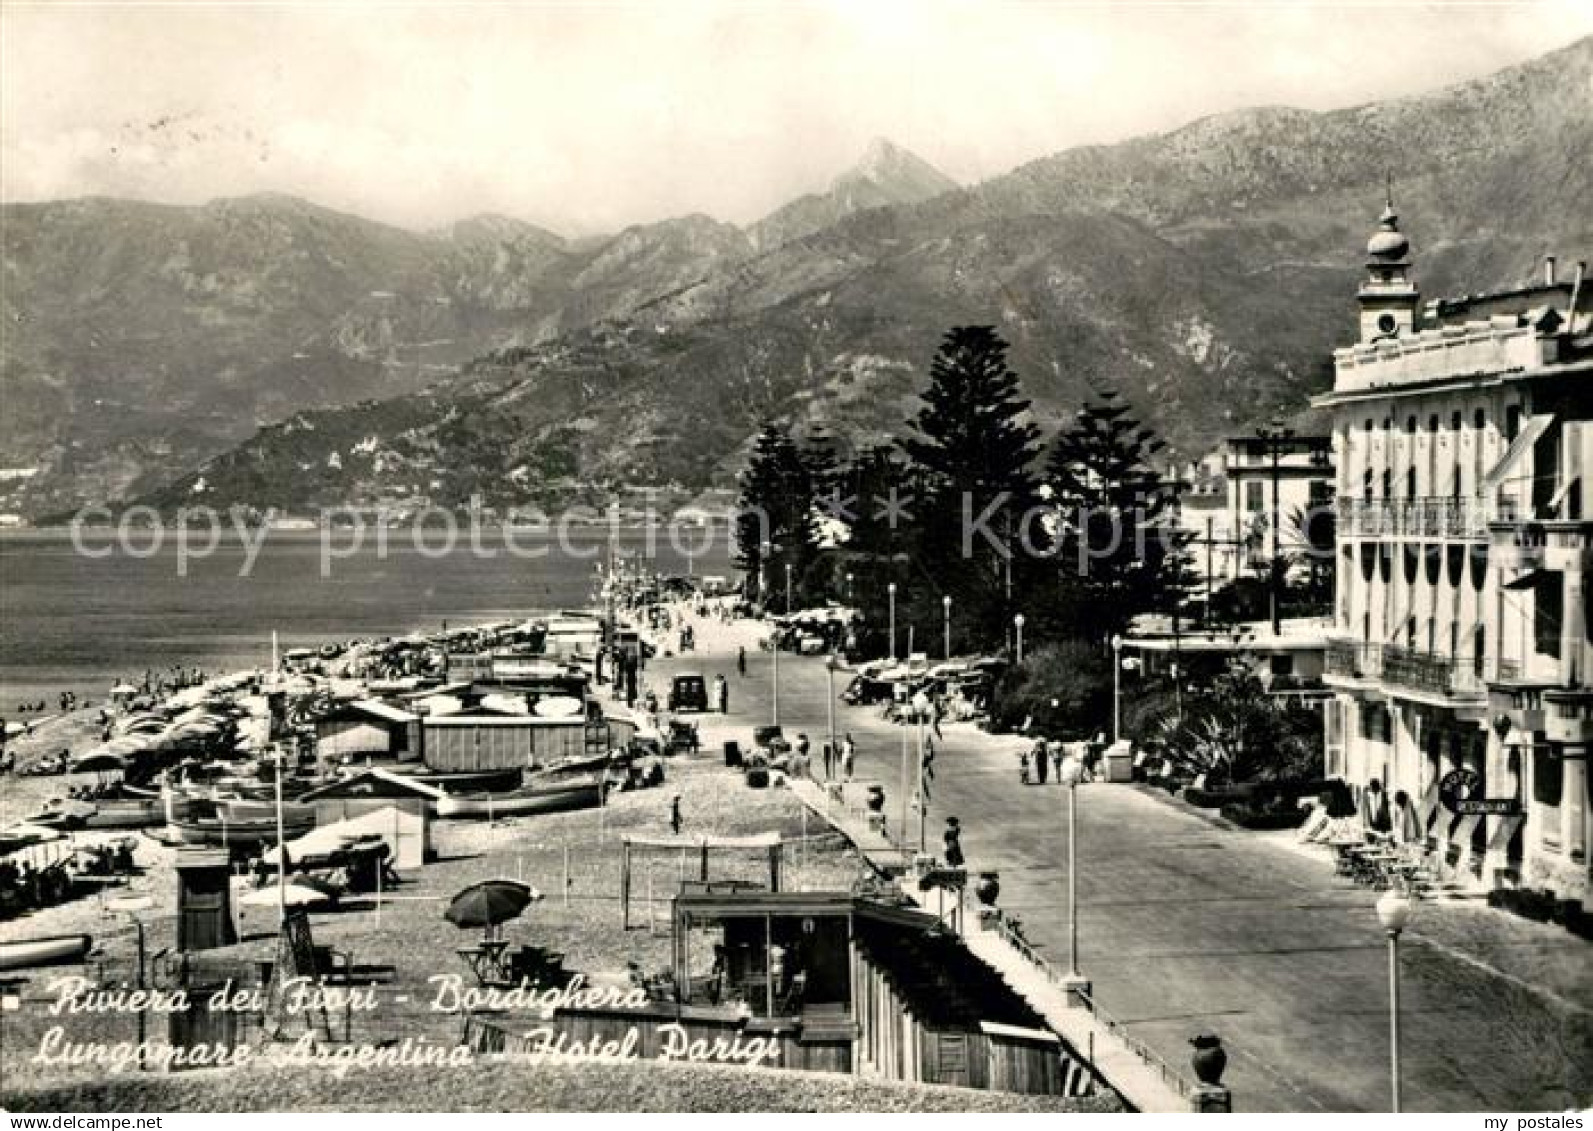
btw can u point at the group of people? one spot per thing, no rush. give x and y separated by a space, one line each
1048 756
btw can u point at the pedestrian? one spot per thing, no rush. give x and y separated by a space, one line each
674 814
803 746
1056 759
953 841
741 661
1042 761
848 757
935 718
929 759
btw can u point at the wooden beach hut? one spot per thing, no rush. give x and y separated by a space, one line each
842 984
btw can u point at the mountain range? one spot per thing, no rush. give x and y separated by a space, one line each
269 352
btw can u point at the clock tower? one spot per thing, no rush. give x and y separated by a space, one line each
1388 296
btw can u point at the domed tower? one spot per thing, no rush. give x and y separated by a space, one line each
1388 297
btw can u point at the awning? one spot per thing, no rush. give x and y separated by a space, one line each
1528 580
1505 830
1530 433
1463 830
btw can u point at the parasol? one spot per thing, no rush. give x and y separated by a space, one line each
490 903
97 761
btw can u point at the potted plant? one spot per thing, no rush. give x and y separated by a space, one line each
988 888
1209 1058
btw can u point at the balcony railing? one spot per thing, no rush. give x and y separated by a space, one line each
1404 667
1422 517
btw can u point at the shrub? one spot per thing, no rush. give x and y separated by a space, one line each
1249 816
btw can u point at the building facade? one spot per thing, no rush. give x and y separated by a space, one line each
1230 498
1463 443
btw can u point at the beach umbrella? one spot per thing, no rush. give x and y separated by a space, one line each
300 891
98 761
490 903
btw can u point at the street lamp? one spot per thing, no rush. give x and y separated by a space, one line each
945 603
1394 912
829 672
1072 769
891 589
133 906
1117 689
921 709
1017 623
1276 438
775 641
787 588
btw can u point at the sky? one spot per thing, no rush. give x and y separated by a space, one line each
587 117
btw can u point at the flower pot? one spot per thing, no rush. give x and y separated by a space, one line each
1209 1058
988 888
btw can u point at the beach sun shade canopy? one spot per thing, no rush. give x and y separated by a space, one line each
489 903
98 761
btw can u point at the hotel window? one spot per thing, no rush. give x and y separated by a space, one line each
1479 424
1254 499
1548 775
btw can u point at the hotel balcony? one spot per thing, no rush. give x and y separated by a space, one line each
1354 661
1526 544
1428 517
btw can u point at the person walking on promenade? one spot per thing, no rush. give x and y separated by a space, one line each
848 757
1057 754
741 661
1042 761
953 841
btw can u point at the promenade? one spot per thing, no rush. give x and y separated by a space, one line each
1187 926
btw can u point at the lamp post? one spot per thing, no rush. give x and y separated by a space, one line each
1017 623
1071 770
891 590
787 588
1117 689
1394 912
775 719
945 603
829 674
132 906
1275 437
921 709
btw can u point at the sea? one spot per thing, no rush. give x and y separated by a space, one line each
79 614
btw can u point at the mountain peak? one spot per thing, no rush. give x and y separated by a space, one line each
897 173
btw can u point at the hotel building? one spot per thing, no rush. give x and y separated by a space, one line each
1463 445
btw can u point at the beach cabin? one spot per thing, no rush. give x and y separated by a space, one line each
834 983
405 806
367 728
204 899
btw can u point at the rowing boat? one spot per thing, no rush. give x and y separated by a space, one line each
19 954
551 797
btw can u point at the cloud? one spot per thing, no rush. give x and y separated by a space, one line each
593 117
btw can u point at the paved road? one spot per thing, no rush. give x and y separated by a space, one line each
1185 927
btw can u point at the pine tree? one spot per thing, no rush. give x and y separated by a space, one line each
975 451
773 524
1116 550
